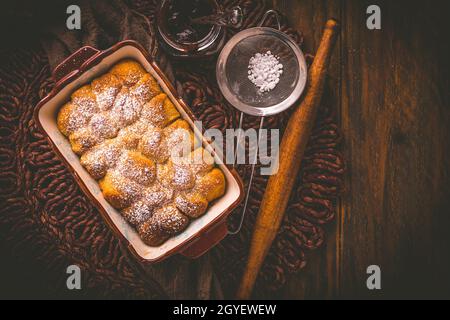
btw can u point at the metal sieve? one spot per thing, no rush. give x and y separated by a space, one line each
232 70
240 92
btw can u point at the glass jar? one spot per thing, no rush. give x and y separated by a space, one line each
181 38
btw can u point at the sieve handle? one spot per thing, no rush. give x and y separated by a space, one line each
267 14
249 187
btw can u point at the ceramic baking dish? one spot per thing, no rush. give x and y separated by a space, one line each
80 68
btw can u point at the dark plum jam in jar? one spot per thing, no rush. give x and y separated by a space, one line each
180 15
180 37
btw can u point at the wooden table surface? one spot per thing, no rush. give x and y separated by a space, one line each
391 87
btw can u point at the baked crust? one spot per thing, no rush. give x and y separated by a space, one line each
148 161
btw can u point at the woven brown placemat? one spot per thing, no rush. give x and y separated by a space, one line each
46 221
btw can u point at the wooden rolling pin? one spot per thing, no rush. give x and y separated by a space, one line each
292 147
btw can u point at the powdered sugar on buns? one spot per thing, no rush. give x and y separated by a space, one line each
126 132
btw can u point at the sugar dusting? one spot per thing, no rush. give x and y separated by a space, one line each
105 98
190 208
130 167
126 108
123 124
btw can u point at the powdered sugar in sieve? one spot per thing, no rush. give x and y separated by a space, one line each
265 71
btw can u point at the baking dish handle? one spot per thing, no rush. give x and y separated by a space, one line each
74 62
206 241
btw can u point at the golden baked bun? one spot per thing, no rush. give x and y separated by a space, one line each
211 185
106 88
100 128
126 108
103 126
179 139
174 176
68 120
72 117
84 97
130 136
149 163
174 140
191 204
137 213
150 144
159 111
146 88
181 173
100 158
199 161
119 191
157 195
142 210
151 233
82 140
128 71
170 219
75 114
165 222
134 166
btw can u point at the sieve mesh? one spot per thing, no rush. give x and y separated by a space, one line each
232 71
236 70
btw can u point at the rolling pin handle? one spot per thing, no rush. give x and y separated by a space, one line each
292 148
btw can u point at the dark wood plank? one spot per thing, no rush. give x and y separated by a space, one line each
395 121
391 86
